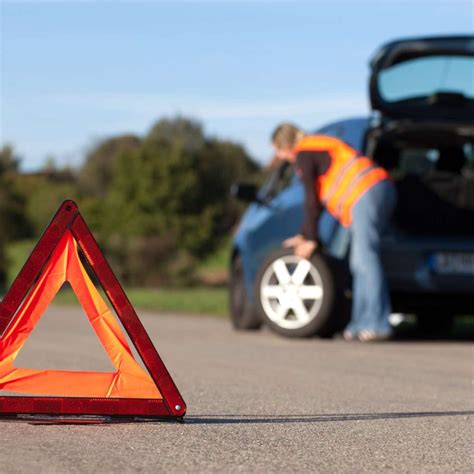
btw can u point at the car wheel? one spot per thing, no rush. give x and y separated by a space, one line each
297 297
434 324
242 311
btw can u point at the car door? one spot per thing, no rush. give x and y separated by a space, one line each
278 212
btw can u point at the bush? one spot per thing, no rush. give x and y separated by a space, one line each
13 223
168 199
150 261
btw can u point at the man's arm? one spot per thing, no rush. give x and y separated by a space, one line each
310 164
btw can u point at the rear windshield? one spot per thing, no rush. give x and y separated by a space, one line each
425 76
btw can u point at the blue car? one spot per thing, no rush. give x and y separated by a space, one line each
422 131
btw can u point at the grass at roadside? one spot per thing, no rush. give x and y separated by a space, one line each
197 300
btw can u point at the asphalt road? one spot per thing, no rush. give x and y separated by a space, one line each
261 403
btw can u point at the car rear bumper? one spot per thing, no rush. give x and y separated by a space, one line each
411 267
448 303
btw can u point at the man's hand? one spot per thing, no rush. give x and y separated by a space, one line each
302 248
306 248
293 241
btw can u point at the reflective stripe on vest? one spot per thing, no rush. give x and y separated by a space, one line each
337 182
369 179
349 175
353 185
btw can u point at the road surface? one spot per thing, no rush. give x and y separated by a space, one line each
261 403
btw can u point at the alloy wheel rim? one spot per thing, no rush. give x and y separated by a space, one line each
291 292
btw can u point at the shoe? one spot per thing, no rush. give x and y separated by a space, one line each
367 335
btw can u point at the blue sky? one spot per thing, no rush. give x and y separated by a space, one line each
73 73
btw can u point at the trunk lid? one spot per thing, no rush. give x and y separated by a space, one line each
428 79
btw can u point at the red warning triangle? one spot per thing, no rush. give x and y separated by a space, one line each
128 392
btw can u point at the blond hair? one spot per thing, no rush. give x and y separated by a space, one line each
286 135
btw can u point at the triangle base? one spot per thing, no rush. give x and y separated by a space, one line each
60 406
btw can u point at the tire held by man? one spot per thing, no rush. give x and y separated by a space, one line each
313 305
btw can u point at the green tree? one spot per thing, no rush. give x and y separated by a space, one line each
96 173
173 193
42 193
157 204
13 223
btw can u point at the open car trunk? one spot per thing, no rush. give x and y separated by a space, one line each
425 79
433 168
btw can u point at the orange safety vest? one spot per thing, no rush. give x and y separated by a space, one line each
348 178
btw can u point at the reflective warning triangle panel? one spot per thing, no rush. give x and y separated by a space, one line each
130 391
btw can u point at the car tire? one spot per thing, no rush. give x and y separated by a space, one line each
304 300
242 312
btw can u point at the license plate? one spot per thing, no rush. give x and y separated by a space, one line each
454 263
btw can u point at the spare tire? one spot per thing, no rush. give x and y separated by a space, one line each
301 298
